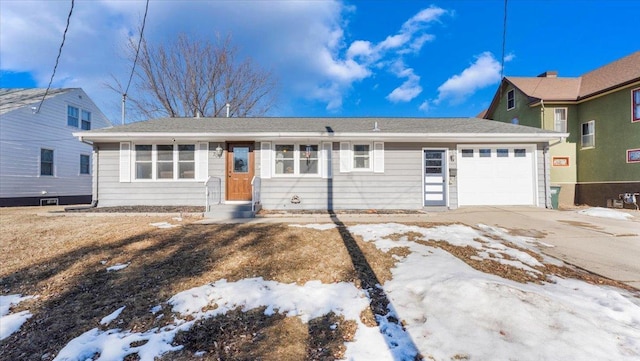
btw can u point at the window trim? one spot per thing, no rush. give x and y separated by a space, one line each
296 160
511 92
565 120
154 163
593 135
88 164
634 105
53 163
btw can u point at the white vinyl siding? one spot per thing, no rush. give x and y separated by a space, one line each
25 133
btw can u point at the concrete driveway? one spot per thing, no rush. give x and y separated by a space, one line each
608 247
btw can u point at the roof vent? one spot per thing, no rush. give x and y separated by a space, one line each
549 74
375 127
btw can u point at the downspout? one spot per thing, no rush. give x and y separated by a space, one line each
542 110
547 179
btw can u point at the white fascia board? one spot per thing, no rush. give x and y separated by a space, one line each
324 136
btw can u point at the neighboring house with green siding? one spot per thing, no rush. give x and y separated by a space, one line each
601 112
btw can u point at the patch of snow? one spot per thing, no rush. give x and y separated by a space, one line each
118 267
605 213
320 227
452 309
177 219
156 309
163 225
448 308
10 323
107 319
199 353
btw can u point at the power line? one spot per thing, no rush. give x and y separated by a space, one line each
64 35
504 39
135 60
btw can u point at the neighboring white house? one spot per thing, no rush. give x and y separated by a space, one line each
40 160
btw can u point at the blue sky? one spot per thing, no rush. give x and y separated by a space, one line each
331 58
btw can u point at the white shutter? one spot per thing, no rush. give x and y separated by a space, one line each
265 159
326 160
345 157
378 157
125 162
202 161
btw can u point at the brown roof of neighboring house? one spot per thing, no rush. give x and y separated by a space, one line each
548 88
620 72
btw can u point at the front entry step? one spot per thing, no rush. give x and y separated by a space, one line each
229 211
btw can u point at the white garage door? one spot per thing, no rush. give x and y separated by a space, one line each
496 175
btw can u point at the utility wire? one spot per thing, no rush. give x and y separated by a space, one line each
135 60
64 35
504 39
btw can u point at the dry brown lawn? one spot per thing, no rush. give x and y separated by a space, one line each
63 259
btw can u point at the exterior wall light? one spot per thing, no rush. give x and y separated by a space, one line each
219 151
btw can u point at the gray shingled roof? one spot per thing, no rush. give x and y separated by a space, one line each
16 98
320 125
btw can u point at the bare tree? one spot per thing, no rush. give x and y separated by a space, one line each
194 77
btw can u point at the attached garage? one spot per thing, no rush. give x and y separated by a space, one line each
497 175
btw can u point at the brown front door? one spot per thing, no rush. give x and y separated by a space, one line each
240 169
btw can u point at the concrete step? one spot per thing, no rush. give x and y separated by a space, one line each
229 211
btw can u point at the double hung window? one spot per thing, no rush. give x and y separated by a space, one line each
46 162
588 133
85 164
164 161
635 95
73 114
511 99
296 159
560 120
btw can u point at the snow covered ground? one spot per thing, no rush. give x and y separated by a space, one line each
605 213
449 309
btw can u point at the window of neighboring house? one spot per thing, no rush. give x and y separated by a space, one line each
73 115
588 134
511 99
560 119
362 156
46 161
165 161
86 120
636 105
85 164
297 159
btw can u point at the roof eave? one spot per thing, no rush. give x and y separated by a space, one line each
323 136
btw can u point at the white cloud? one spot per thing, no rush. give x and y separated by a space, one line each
409 89
304 46
424 107
483 72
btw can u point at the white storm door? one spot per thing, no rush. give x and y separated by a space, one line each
435 179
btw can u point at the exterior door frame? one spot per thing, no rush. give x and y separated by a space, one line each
229 169
445 179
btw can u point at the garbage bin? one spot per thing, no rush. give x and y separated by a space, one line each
555 195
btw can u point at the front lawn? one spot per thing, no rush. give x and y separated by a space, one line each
137 288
